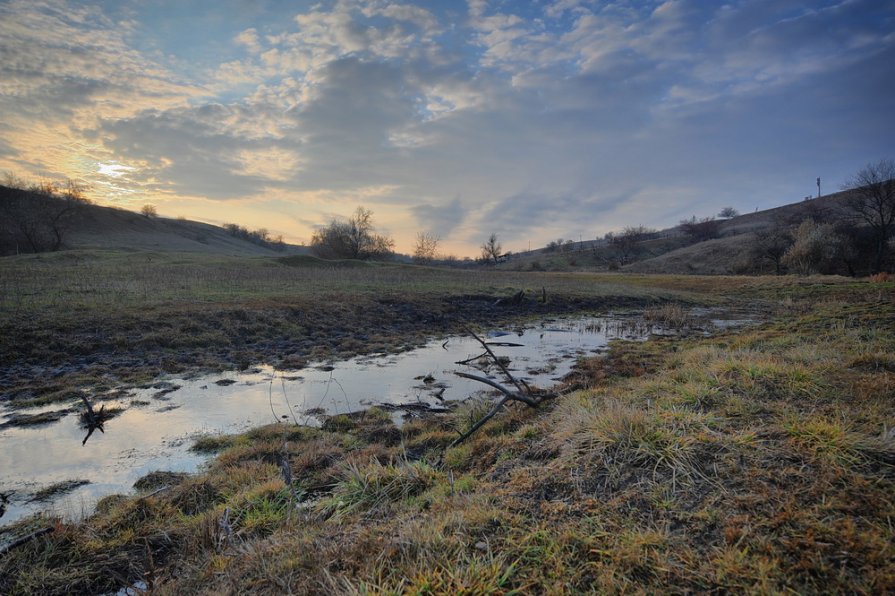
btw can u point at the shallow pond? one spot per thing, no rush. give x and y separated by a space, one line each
158 424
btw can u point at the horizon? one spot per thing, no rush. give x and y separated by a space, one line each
557 119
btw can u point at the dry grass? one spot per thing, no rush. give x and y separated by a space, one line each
758 461
97 317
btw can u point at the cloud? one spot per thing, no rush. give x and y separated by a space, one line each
249 39
533 120
441 219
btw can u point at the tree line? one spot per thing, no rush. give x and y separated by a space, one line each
37 217
822 241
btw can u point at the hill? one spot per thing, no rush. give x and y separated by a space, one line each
672 250
56 222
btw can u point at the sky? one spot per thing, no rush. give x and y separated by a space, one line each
533 120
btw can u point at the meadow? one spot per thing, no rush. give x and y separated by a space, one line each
87 318
757 460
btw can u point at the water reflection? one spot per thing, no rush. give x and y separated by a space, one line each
157 423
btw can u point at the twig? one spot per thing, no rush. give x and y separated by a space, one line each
523 394
24 539
480 423
286 399
270 400
526 399
497 362
156 491
225 530
473 359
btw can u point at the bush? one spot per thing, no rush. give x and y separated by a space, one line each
261 236
815 248
37 218
352 239
700 230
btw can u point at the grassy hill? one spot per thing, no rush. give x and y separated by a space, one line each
672 251
86 226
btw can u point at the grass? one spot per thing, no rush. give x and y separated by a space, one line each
752 460
95 316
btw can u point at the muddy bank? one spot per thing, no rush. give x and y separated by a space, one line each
43 358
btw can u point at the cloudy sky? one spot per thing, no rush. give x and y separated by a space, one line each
533 120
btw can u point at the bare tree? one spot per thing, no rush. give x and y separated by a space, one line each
873 201
701 229
491 249
728 212
426 247
625 243
771 245
37 217
149 211
352 239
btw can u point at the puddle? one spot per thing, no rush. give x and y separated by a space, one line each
157 424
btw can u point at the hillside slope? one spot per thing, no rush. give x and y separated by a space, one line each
672 251
94 226
730 252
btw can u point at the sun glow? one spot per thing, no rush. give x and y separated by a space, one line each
113 169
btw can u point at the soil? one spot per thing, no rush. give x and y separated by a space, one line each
47 359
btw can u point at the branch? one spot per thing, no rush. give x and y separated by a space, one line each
498 362
473 359
22 540
479 424
526 399
524 393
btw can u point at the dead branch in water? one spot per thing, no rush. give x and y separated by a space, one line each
523 393
473 359
94 420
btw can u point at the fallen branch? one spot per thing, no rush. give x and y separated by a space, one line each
156 491
522 394
473 359
24 539
480 423
500 365
94 419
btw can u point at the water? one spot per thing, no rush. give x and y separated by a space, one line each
158 424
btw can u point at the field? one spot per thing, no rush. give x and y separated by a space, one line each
752 460
88 318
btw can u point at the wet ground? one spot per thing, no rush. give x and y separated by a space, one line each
48 462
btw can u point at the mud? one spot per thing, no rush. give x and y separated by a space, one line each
48 359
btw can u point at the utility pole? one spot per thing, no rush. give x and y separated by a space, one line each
818 187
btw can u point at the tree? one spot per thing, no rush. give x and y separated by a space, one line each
352 239
701 229
261 236
37 217
491 249
625 242
426 247
553 245
815 248
149 211
771 245
873 201
728 212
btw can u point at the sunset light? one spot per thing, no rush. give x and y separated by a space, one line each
531 120
447 297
